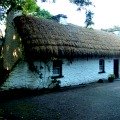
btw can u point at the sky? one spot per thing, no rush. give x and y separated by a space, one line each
106 12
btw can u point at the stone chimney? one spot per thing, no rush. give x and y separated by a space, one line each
61 18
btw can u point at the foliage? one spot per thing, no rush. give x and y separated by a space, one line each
100 81
9 8
1 114
82 2
3 72
42 13
111 77
113 29
27 7
89 14
56 84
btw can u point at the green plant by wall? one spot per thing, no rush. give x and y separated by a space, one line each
111 77
55 83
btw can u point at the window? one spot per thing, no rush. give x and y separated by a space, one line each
57 68
101 66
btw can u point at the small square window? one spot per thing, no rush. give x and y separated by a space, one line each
101 66
57 68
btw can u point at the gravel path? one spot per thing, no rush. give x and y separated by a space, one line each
100 101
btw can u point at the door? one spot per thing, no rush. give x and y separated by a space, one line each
116 68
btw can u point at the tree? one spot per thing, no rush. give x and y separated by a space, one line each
113 29
42 14
89 16
84 4
26 6
12 44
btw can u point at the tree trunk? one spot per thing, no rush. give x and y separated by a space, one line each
12 46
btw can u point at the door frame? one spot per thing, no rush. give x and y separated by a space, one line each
116 68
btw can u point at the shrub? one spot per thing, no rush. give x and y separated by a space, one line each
56 83
100 81
111 77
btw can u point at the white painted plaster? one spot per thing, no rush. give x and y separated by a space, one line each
84 71
80 71
22 77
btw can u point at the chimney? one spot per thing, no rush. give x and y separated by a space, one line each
61 18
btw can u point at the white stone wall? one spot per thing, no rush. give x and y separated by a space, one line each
22 77
84 71
75 73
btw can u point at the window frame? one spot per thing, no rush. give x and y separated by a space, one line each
57 65
101 66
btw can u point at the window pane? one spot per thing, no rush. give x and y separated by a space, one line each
56 71
57 67
101 65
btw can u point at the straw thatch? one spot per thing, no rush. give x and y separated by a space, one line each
46 38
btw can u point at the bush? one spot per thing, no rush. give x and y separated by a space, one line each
56 84
111 77
100 81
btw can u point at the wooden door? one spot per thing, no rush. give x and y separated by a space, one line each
116 68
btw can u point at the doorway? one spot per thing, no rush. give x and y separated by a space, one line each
116 68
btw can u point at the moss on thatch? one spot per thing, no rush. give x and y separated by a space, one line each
46 38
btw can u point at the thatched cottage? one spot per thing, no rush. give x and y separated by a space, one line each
69 53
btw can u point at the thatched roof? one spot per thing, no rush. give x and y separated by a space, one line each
46 38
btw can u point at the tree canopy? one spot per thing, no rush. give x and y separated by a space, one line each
27 7
113 29
89 16
82 2
30 7
85 5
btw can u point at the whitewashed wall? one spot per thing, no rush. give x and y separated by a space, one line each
75 73
22 77
85 71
